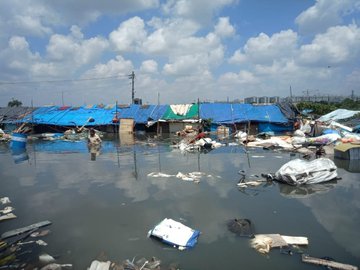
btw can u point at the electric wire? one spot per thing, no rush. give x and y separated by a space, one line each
65 80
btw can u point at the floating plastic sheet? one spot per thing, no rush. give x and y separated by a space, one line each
299 172
175 233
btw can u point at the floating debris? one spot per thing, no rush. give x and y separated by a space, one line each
25 229
5 200
7 216
55 266
298 172
328 263
7 209
46 258
175 233
192 176
97 265
264 242
241 227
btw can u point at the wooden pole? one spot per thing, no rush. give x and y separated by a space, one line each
317 261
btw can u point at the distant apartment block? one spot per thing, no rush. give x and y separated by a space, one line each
262 100
297 99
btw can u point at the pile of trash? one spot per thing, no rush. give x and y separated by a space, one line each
288 245
311 137
21 248
141 264
203 144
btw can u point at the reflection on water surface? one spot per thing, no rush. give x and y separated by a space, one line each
107 205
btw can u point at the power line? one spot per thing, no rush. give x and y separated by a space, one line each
66 80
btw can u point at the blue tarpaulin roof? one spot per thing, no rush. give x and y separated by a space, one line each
143 113
227 113
71 116
219 113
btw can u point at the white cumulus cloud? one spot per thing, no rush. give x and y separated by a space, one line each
264 49
149 66
223 28
197 10
114 67
324 14
129 36
340 45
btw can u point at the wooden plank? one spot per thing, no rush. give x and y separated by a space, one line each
25 229
317 261
283 240
295 240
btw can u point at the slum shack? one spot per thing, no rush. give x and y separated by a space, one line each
178 116
253 119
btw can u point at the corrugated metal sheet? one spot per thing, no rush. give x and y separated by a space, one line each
12 115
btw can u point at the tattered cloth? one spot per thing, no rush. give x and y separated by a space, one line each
180 109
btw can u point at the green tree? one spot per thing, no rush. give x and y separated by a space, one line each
318 109
14 103
350 104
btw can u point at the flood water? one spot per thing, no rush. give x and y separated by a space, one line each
107 205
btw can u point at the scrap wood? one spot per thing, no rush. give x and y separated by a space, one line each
19 129
318 261
295 240
31 228
263 242
283 240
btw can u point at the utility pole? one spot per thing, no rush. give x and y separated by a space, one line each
290 94
132 77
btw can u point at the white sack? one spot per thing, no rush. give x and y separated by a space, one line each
299 172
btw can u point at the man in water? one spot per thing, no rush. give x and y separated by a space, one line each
94 144
93 138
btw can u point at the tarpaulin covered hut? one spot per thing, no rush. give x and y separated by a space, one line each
103 117
259 118
177 116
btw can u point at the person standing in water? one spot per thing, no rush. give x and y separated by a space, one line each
93 138
94 144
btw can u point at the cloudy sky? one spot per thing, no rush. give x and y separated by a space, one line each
81 52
